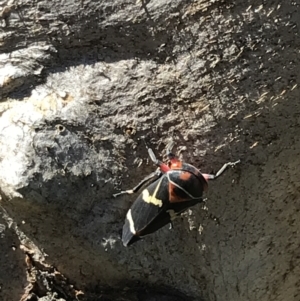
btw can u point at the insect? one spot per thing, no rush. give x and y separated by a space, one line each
173 188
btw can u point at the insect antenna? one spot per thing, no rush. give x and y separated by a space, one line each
169 153
151 153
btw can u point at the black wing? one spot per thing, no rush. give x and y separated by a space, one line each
152 211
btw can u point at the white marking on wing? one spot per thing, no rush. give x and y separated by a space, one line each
131 222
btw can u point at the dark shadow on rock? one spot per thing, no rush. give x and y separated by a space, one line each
13 276
139 291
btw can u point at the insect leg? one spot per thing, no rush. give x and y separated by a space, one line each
156 174
212 177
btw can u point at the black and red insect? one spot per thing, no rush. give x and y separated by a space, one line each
174 187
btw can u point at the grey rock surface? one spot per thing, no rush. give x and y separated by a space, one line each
82 82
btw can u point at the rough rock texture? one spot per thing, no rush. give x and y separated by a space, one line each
82 82
12 272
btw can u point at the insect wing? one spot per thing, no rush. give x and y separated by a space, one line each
153 210
149 206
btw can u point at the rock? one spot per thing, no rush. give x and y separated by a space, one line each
12 273
22 67
83 82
